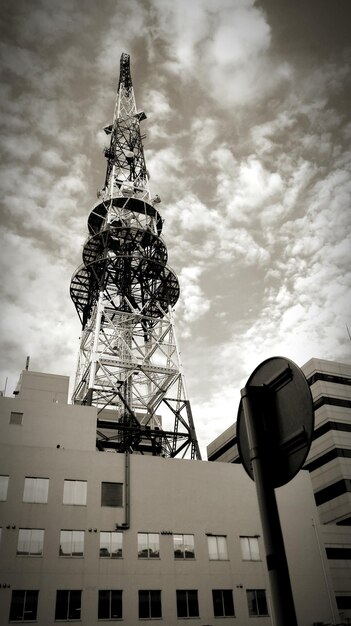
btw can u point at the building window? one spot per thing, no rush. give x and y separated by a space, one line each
223 605
150 604
343 601
257 603
111 545
187 603
217 547
16 418
30 542
111 494
36 490
68 605
148 545
184 546
249 548
75 492
71 542
4 484
24 605
110 604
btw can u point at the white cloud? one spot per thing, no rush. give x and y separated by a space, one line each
193 304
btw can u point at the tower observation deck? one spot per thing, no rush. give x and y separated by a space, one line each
124 293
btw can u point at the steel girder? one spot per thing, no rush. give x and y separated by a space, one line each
124 293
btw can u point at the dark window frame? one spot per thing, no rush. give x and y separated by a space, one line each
71 601
20 602
150 604
259 603
187 603
110 607
184 554
16 418
111 494
223 603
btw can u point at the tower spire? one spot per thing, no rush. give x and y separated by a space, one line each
124 293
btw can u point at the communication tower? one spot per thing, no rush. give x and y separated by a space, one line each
124 293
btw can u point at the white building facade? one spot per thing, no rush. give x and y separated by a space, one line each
93 536
329 466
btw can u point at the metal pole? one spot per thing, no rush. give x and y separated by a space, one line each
280 587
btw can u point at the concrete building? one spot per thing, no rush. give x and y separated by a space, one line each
329 466
95 536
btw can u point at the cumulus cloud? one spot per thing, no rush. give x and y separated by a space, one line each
247 145
194 304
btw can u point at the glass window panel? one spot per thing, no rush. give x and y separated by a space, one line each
257 603
148 545
116 604
249 548
187 603
182 606
261 602
193 604
37 542
217 603
178 546
189 550
61 609
228 603
154 546
104 604
111 494
74 607
75 492
65 542
105 544
17 606
116 545
245 548
111 544
30 542
142 546
251 601
36 490
16 418
23 606
212 547
23 546
222 548
4 483
77 542
155 604
144 606
254 549
30 606
150 603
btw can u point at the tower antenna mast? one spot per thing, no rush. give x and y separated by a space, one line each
124 293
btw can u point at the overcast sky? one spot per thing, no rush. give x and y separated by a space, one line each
248 146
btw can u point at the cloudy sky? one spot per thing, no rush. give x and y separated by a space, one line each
248 146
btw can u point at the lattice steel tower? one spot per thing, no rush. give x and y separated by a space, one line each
124 293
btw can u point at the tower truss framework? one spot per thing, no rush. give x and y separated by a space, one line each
124 293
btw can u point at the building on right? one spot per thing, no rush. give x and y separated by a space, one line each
328 464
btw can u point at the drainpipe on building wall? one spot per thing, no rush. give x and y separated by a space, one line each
127 490
126 524
334 618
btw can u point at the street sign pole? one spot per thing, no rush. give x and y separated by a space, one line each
281 593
